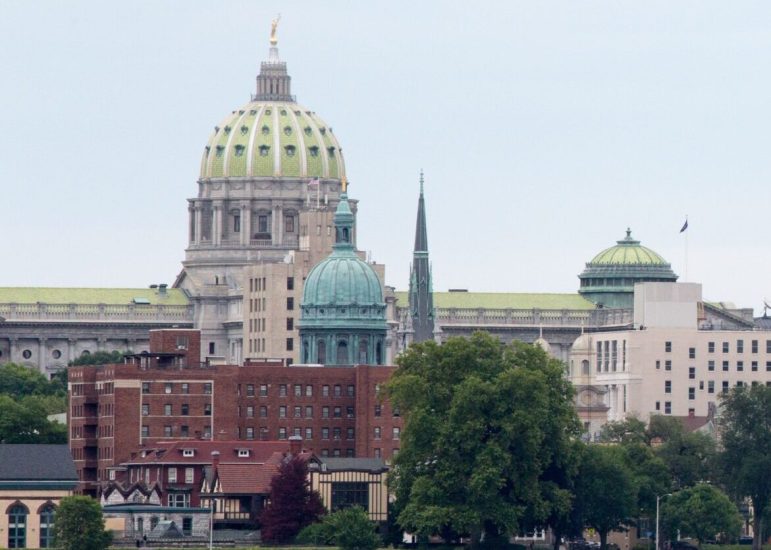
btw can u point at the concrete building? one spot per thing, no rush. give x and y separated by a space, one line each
672 361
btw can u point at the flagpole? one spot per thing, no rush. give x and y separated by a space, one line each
686 250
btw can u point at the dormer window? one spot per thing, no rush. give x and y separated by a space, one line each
290 150
287 130
243 453
331 151
253 112
323 130
265 130
308 130
227 129
314 150
216 129
188 452
239 150
264 149
220 149
244 130
267 112
241 112
283 112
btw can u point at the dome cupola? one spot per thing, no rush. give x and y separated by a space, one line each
609 278
342 316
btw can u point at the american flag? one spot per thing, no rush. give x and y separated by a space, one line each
314 182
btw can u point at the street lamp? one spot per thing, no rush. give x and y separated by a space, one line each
658 498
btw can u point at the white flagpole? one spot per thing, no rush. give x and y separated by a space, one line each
318 193
686 250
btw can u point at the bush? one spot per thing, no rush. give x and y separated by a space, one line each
350 529
316 534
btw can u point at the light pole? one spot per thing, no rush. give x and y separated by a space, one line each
211 523
658 498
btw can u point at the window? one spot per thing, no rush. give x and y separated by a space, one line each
263 390
262 224
710 386
172 473
17 526
308 433
47 526
740 366
167 409
726 347
145 387
282 433
282 411
207 409
668 365
754 346
184 431
710 365
298 390
212 348
338 390
349 433
250 411
667 386
349 413
324 412
308 411
179 500
290 303
396 412
167 431
308 391
351 390
249 432
667 407
263 411
711 347
725 366
658 406
377 432
290 283
324 433
378 411
236 223
282 390
250 390
338 412
692 373
740 346
145 409
346 494
290 323
691 393
187 526
658 365
725 386
754 366
185 387
397 433
378 453
768 346
289 344
207 432
691 353
207 388
145 431
189 475
298 412
325 391
297 432
336 452
768 366
668 347
337 433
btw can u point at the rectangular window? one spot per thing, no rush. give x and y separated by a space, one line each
667 386
207 388
308 433
768 366
184 431
185 387
290 304
290 283
378 411
207 409
692 372
349 412
668 347
172 475
336 433
324 433
346 494
262 224
754 346
297 432
212 348
250 411
658 365
349 433
740 366
691 393
726 347
691 353
338 413
711 347
282 390
710 365
324 391
282 411
263 390
397 433
167 409
351 390
658 405
377 432
167 387
324 412
298 390
667 407
282 433
263 433
249 433
740 346
725 366
338 390
187 526
167 431
308 412
308 390
290 323
289 344
710 386
725 386
145 387
263 411
189 475
145 431
754 366
145 409
668 365
298 411
250 390
768 346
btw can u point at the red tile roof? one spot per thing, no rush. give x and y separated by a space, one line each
171 452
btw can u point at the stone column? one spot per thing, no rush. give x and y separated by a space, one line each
216 217
197 209
278 227
71 349
13 349
244 235
41 354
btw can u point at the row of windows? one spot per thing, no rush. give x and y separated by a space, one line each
726 347
168 431
711 366
17 526
710 386
168 387
184 409
298 390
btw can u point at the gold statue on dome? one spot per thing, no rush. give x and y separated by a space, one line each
273 27
344 184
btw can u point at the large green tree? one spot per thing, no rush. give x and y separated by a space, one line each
487 440
746 455
701 512
606 492
79 525
23 420
19 381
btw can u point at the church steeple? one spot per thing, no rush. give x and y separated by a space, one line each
421 300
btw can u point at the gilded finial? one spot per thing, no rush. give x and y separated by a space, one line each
344 184
273 27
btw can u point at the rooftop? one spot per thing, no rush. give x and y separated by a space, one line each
26 462
112 296
505 300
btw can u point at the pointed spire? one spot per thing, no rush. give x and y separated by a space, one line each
421 234
421 299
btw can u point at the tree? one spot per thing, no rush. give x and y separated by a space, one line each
24 421
487 428
746 455
292 504
606 494
79 525
99 358
19 381
701 512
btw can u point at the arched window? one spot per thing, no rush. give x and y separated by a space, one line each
363 352
321 349
47 526
17 526
342 353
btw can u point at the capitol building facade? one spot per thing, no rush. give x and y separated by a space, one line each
271 177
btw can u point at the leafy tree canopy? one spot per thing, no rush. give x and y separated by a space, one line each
488 428
19 381
746 456
349 529
292 504
99 358
701 512
79 525
23 420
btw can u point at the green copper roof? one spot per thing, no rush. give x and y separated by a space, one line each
116 296
628 251
272 139
504 300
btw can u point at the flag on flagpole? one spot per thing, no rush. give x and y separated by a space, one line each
685 226
313 183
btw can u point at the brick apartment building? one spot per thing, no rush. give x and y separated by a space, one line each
167 395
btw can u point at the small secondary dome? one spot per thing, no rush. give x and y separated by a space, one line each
272 136
609 278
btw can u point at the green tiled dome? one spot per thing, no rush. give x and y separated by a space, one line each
272 139
628 251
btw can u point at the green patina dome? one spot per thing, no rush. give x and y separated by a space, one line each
609 278
272 139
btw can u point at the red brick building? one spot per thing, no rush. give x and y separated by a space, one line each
165 395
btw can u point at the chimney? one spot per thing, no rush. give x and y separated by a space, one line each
215 460
295 445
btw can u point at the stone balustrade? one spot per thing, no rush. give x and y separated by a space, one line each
116 313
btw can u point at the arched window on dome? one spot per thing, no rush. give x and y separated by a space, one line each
321 352
342 353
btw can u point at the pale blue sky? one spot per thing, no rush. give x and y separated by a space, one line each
544 128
